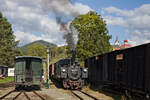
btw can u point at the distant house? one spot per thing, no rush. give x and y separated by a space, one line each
117 46
125 45
3 71
11 71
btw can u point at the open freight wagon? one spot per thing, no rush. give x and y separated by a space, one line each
127 69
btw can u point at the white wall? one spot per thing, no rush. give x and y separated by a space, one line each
11 71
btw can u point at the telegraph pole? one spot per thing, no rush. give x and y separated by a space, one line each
47 81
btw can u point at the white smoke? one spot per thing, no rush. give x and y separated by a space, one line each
61 9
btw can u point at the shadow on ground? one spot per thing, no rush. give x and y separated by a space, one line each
108 92
28 88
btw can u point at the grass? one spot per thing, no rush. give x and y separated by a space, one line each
6 80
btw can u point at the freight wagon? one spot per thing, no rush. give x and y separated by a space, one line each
127 69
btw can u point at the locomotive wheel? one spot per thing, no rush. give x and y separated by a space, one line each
65 84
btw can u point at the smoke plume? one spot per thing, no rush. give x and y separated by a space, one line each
60 7
64 12
70 37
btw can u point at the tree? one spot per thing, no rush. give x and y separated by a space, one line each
37 50
53 51
93 37
8 44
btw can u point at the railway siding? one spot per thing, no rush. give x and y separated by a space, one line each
84 96
18 95
53 93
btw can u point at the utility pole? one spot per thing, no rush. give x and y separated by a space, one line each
47 81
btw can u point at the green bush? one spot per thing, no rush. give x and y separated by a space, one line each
7 80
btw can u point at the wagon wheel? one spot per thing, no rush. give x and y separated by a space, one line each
126 96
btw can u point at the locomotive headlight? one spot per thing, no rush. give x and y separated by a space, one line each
85 70
63 70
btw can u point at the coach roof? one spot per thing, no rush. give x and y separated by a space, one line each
32 57
3 66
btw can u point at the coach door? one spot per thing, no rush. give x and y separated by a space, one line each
19 70
28 71
36 71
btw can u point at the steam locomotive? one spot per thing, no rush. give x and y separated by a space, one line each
68 73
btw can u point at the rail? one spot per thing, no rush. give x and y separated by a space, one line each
20 92
86 94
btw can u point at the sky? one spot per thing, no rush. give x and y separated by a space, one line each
36 19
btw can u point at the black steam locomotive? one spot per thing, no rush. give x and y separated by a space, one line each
69 73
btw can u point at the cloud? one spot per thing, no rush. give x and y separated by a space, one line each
25 37
82 8
142 10
116 21
64 7
31 22
136 22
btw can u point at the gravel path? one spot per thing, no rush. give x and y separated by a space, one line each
48 94
53 93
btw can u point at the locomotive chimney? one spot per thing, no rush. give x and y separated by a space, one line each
73 56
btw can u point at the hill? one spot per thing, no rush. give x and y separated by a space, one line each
58 53
42 42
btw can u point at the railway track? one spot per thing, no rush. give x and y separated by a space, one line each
27 96
79 95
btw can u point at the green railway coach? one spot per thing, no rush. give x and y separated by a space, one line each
28 71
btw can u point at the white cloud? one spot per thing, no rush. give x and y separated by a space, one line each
118 21
30 22
136 22
142 10
117 11
137 40
82 8
25 38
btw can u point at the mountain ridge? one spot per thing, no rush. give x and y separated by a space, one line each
42 42
45 43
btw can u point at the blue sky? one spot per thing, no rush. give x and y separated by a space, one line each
123 4
35 20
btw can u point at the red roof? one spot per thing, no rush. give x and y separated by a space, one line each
125 40
126 45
